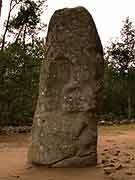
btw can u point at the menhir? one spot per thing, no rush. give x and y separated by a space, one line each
64 132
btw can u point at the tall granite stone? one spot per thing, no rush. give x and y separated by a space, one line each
64 132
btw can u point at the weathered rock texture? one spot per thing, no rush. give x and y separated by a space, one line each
64 129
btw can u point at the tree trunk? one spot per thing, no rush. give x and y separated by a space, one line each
24 36
0 6
7 24
19 33
129 106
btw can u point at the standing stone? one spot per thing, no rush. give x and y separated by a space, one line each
64 132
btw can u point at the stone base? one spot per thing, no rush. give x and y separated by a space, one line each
67 162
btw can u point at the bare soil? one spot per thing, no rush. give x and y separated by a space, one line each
116 158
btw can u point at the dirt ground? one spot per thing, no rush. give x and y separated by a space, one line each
116 158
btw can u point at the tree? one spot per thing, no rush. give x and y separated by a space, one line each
25 21
19 85
121 56
25 24
0 6
12 5
20 62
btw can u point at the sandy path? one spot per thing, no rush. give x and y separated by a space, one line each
116 159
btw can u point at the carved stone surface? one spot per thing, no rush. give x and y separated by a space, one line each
64 132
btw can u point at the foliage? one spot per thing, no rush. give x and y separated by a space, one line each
19 74
20 64
119 74
26 23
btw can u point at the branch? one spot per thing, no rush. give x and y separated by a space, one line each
15 5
